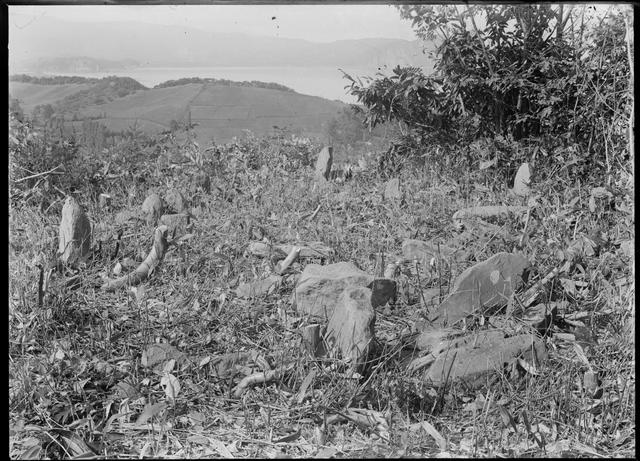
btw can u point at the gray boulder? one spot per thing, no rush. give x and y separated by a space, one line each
483 287
175 201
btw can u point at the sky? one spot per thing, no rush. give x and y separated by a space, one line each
317 23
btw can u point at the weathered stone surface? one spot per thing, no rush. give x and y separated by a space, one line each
175 201
320 287
258 288
74 232
264 250
351 326
486 285
477 354
152 208
204 181
423 252
312 340
392 190
157 355
324 162
175 222
522 181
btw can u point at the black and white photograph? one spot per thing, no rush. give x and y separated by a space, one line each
320 229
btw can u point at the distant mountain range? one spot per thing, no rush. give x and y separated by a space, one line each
52 45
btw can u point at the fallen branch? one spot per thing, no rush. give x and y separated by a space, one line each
39 174
257 378
146 267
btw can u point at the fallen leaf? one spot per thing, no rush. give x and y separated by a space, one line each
150 411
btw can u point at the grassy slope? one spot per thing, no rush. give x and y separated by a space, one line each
219 111
78 347
31 94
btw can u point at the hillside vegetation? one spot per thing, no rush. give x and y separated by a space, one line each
208 353
217 109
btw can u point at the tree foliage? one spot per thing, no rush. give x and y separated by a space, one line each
518 72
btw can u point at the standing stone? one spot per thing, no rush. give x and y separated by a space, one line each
487 285
74 232
152 208
522 181
320 287
324 162
176 201
351 326
392 190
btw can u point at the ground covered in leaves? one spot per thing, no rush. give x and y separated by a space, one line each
84 375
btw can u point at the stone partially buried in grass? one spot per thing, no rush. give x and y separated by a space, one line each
152 208
74 233
477 354
258 288
351 326
484 286
175 201
392 190
320 288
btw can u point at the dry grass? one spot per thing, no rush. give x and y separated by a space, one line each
69 357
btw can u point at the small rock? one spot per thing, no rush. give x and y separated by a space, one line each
175 222
175 201
324 162
351 326
487 285
258 288
265 250
157 355
472 357
423 252
104 201
392 190
522 181
74 233
152 208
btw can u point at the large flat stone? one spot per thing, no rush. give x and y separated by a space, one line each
324 162
469 359
351 327
320 287
484 286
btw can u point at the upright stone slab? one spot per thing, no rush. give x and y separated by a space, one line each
351 326
392 191
152 208
487 285
74 234
522 181
320 288
324 162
